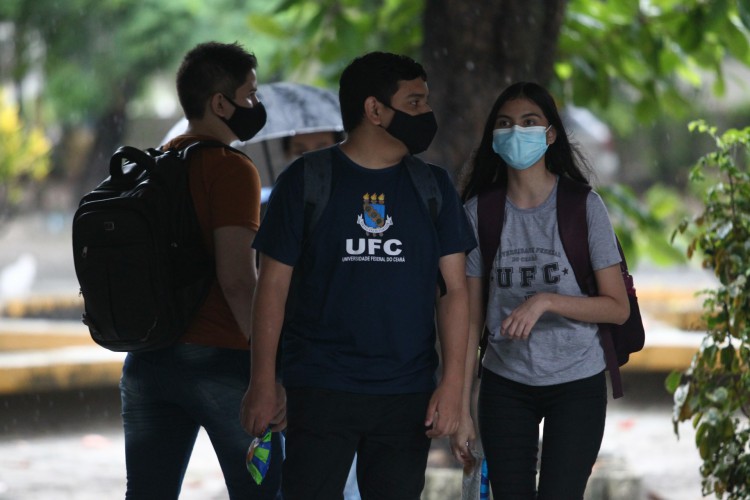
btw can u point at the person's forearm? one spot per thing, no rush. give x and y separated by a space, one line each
470 369
236 273
265 334
268 319
598 309
476 329
453 322
610 306
239 295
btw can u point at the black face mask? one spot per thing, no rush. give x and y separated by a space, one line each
246 122
415 131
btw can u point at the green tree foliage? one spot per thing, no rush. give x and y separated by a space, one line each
94 53
652 52
714 393
316 39
649 52
96 56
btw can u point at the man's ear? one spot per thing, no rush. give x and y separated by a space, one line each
373 111
219 105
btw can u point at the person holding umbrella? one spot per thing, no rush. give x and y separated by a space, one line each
358 359
296 145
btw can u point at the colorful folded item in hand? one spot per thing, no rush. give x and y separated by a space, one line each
259 456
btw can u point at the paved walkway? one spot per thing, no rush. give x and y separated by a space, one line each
69 446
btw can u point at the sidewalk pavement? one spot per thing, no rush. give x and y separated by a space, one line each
69 446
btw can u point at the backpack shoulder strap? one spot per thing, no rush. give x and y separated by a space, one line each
574 230
209 144
426 185
490 220
571 201
317 186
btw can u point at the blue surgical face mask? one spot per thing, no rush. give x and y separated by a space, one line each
520 147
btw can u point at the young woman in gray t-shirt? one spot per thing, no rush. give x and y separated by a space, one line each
544 360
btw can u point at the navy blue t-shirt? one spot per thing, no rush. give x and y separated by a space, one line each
364 297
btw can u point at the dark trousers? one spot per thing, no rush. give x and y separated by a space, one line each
509 418
326 428
167 395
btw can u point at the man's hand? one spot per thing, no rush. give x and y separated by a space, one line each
443 411
263 405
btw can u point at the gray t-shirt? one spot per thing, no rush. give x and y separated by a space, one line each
532 260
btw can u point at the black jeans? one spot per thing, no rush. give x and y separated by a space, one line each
509 418
325 429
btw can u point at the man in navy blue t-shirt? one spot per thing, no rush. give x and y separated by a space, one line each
358 334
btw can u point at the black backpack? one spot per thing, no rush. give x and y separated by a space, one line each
618 341
140 260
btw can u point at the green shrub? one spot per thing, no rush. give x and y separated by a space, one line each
714 392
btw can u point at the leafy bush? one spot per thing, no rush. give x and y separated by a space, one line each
714 392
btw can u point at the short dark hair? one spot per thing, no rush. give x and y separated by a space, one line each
374 74
209 68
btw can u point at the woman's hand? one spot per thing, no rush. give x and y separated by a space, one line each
518 324
462 441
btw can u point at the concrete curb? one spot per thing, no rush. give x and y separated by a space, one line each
42 355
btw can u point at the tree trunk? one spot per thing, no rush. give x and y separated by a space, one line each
472 51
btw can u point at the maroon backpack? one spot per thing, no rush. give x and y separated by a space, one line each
618 341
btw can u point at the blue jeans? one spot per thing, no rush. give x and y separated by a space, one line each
509 417
167 396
